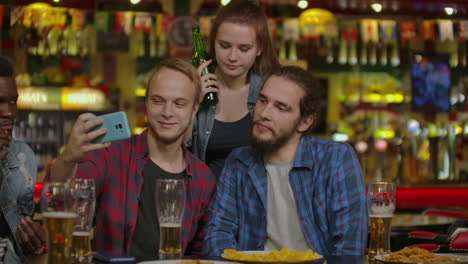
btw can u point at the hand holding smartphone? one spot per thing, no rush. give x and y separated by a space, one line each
116 125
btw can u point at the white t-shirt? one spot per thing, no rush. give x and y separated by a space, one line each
283 225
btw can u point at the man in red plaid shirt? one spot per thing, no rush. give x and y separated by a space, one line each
125 171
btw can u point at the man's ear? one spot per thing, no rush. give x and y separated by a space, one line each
305 123
195 109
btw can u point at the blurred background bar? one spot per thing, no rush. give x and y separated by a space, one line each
393 75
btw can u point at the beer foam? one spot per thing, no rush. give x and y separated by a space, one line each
170 225
59 215
381 215
382 210
81 233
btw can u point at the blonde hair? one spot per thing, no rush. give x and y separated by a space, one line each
183 67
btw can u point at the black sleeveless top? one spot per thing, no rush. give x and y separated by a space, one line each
225 137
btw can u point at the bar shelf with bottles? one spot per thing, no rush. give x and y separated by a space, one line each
41 131
46 115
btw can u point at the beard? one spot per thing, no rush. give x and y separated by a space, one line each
277 141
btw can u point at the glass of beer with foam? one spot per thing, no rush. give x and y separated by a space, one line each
58 209
170 203
381 206
84 191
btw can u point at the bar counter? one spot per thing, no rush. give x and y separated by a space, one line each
432 196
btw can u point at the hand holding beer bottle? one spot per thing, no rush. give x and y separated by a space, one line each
202 63
381 206
170 205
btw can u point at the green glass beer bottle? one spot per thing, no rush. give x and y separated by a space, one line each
199 56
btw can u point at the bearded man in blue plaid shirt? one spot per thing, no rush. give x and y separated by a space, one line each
289 189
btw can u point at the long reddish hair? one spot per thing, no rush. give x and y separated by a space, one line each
248 12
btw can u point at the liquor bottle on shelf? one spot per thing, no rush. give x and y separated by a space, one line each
433 139
54 37
40 128
162 44
200 56
461 54
383 56
409 159
405 53
359 48
424 161
23 127
42 43
71 40
146 44
372 53
140 48
454 59
343 52
363 58
465 52
443 156
329 50
152 43
32 117
36 148
352 59
313 46
51 130
394 54
322 50
85 41
451 146
292 54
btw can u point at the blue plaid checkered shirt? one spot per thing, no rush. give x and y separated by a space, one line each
328 187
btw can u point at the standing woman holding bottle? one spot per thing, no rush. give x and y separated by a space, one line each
243 56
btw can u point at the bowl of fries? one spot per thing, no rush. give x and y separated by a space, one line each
414 255
283 256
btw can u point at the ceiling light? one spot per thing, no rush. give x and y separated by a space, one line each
449 11
225 2
302 4
56 1
377 7
135 1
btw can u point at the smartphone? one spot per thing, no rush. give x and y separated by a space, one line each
113 258
117 127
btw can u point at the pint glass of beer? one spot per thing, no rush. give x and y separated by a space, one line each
84 191
381 206
59 212
170 203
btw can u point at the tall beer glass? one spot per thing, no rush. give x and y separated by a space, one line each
84 191
381 206
59 212
170 203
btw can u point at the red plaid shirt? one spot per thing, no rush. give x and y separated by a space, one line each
117 171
